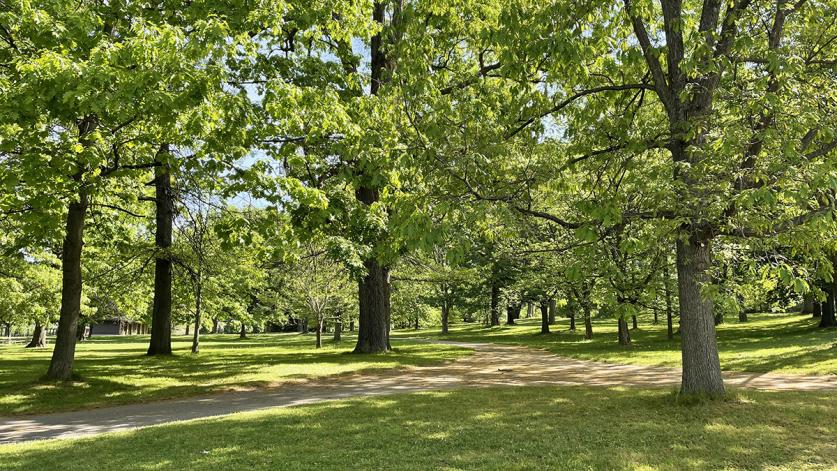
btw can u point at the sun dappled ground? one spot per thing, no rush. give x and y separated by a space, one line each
115 370
767 343
497 428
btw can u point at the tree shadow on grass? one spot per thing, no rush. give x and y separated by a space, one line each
496 428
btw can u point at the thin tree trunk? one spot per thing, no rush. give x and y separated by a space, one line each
7 329
63 355
588 322
196 335
633 320
495 304
416 325
572 321
216 326
742 316
827 312
624 335
319 332
242 334
445 313
701 365
669 304
817 309
160 342
351 325
544 317
38 336
187 329
338 329
656 316
552 308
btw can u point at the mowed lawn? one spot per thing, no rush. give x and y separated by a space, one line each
499 428
115 370
783 343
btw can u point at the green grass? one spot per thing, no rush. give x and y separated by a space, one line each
115 370
499 428
767 343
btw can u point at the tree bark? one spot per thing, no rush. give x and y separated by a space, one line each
552 308
160 342
338 329
38 336
187 329
633 320
572 321
544 317
701 365
588 322
63 355
817 309
827 312
495 304
669 306
373 291
7 329
319 343
656 316
445 314
623 334
416 325
196 335
242 334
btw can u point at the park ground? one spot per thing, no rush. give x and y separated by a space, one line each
515 427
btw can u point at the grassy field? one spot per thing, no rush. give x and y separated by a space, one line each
115 370
767 343
500 428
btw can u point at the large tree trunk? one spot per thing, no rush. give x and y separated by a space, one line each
544 317
827 312
160 342
701 365
495 304
623 334
373 291
445 314
196 336
38 336
61 364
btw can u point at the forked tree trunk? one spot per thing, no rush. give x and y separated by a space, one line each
373 293
544 317
701 365
160 342
38 336
623 334
495 305
63 354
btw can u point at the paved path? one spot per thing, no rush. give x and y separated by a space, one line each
490 365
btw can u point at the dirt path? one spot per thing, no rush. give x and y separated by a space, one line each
490 365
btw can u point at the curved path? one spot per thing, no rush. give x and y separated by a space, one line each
490 365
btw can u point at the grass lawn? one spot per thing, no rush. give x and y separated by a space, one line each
115 370
778 343
499 428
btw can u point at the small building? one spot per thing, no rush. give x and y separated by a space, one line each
117 327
